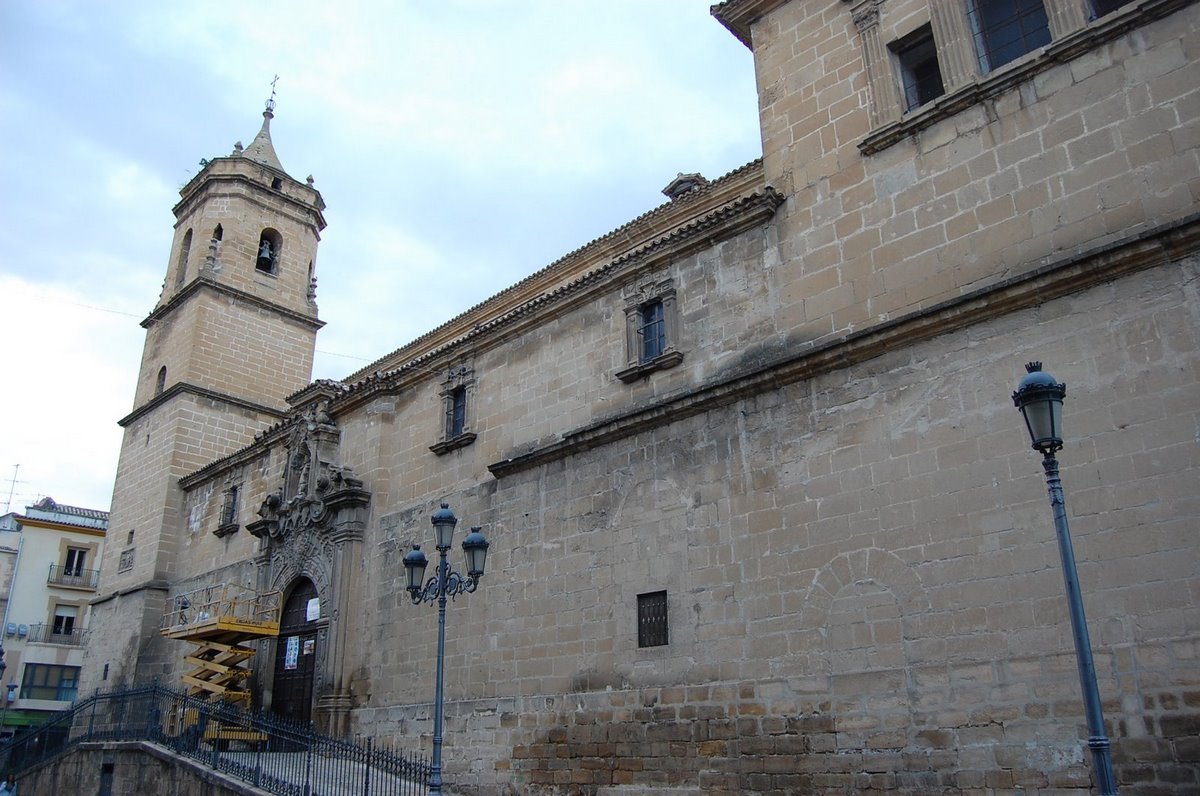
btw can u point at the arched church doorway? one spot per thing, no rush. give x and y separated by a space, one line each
296 653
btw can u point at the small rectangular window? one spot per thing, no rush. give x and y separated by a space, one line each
229 510
1007 29
652 619
653 330
456 412
920 74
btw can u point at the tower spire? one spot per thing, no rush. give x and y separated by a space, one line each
261 150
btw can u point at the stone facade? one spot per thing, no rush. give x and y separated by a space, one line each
816 459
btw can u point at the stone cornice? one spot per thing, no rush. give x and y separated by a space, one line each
1052 280
205 282
738 15
184 388
156 584
229 169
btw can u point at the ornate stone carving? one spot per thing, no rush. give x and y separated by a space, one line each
314 486
866 16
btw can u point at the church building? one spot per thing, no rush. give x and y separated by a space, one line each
763 518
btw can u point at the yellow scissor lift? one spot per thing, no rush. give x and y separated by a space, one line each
220 621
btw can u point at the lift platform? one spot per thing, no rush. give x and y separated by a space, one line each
221 621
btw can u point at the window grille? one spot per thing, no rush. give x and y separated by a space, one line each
653 330
1007 29
229 510
652 619
456 412
920 73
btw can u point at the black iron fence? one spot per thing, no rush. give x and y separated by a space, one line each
268 751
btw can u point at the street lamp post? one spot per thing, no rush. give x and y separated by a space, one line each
445 583
1040 398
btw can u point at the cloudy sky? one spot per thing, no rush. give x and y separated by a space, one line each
459 144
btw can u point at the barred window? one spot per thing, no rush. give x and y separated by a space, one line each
457 398
456 412
652 619
227 520
920 75
229 510
1007 29
651 330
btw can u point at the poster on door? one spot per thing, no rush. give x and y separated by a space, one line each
291 652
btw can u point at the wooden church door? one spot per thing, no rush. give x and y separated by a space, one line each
296 654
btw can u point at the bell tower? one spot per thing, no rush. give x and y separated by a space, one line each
232 335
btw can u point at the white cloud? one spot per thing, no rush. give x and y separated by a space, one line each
461 145
68 380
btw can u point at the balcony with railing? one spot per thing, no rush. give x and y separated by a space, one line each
51 634
73 577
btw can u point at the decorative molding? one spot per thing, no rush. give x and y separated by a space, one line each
226 530
204 281
182 388
661 362
866 16
315 489
739 15
453 443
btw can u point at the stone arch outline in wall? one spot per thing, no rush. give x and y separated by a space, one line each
869 564
869 678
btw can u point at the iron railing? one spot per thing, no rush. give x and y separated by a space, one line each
268 751
47 634
222 601
73 576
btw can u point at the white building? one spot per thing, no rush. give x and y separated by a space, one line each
49 571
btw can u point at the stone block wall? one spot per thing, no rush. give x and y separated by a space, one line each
1085 144
868 555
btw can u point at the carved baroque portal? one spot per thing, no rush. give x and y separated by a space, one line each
313 527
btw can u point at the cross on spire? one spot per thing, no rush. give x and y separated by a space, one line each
271 101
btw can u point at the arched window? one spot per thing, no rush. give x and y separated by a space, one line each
218 233
184 249
270 246
162 380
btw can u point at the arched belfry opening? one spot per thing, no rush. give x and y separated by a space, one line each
185 249
296 652
270 246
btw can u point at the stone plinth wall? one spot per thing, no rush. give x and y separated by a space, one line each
981 727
